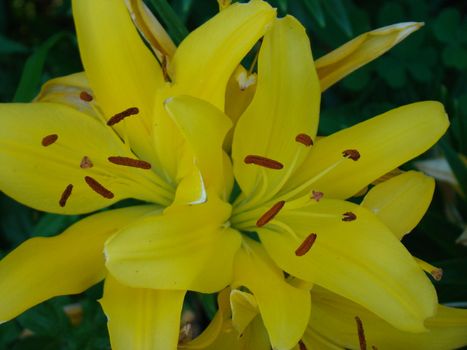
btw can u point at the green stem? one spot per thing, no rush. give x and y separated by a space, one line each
175 27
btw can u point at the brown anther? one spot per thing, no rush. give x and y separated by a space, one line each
125 161
302 345
351 154
65 195
86 163
122 115
85 96
263 161
349 216
316 195
306 245
437 274
49 139
361 333
270 214
98 188
165 72
304 139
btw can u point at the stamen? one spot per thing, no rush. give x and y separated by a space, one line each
122 115
165 73
302 345
65 195
97 187
316 195
263 161
270 214
125 161
437 274
86 163
85 96
349 216
49 139
306 245
351 154
304 139
361 333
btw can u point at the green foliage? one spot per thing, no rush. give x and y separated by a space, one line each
37 42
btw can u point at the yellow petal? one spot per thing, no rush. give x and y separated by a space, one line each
54 176
188 247
359 259
383 142
205 60
286 105
121 70
401 201
151 29
337 64
143 319
284 309
67 90
42 268
204 128
216 327
239 92
333 317
244 309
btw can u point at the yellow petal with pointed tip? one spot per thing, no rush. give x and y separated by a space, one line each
151 29
359 51
284 309
204 128
67 90
244 309
401 201
286 105
48 152
42 268
205 60
121 70
360 259
333 318
188 247
383 142
143 319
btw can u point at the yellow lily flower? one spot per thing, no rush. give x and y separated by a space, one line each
156 134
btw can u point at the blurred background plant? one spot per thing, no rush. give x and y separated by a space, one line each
37 42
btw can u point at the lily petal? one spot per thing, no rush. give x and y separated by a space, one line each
65 264
68 153
401 201
186 248
196 118
285 310
333 318
68 90
121 70
287 86
382 144
143 319
244 309
337 64
151 29
225 38
353 255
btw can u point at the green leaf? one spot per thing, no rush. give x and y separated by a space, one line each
8 333
338 13
455 56
35 343
53 224
175 26
32 71
446 26
8 46
209 302
314 9
453 272
455 162
16 220
182 8
420 71
357 81
392 71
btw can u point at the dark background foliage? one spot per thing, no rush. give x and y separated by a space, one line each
37 42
